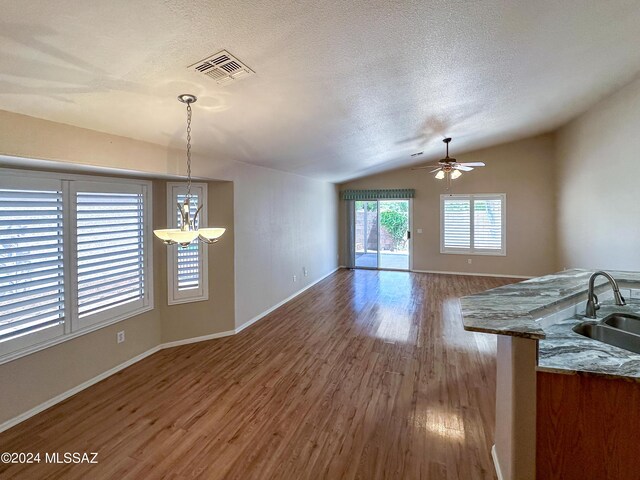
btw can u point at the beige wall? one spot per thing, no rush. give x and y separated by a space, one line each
190 320
36 378
34 138
286 222
282 220
523 170
283 223
597 180
31 380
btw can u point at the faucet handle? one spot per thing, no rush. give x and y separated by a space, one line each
596 302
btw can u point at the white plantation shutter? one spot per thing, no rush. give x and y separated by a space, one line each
187 274
74 256
110 244
457 223
188 259
473 224
487 224
31 265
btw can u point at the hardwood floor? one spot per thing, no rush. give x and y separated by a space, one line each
366 375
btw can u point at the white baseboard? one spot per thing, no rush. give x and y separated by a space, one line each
248 323
203 338
496 463
63 396
497 275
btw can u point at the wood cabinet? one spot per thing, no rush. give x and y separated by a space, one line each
588 427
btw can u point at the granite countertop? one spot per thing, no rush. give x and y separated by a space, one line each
564 351
521 308
517 309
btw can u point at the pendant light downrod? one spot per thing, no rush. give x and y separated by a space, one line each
188 231
188 99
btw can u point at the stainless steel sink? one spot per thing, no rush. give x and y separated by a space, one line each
607 334
624 321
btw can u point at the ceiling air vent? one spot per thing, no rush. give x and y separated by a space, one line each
223 67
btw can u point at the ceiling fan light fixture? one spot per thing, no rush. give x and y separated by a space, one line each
449 167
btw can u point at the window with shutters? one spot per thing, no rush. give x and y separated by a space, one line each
32 255
473 224
110 250
74 256
187 266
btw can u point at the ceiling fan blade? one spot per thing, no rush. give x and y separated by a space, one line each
425 166
463 168
435 170
473 164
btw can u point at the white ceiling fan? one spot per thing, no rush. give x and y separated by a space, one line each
449 167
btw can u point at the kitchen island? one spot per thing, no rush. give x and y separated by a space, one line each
545 371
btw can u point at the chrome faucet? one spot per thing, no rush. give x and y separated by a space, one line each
592 298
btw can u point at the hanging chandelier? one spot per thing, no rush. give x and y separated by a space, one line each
188 231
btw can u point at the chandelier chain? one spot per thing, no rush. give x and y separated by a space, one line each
189 150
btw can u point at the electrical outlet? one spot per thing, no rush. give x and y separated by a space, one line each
120 336
469 261
419 230
304 270
295 278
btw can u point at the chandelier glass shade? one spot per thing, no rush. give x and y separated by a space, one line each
173 236
188 231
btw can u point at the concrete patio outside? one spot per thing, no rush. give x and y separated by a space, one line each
398 261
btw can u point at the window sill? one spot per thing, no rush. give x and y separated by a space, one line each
23 352
178 301
468 253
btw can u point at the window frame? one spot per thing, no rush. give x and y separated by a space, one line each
72 327
51 334
471 250
128 309
200 294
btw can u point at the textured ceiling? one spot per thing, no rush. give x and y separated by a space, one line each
342 89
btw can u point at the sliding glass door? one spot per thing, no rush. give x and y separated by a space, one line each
394 234
366 234
381 234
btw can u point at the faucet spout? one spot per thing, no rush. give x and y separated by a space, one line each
592 299
619 298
